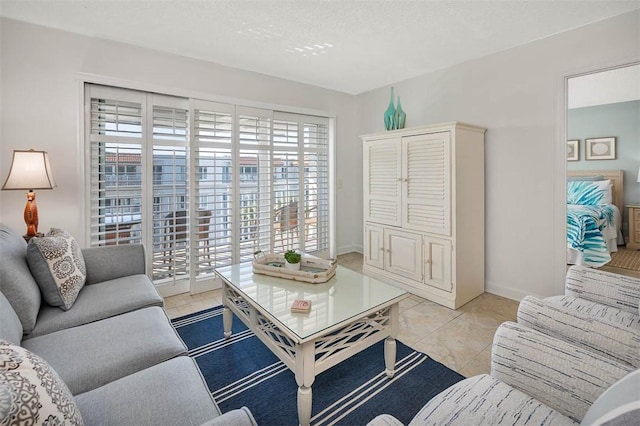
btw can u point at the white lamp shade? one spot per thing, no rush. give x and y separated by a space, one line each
30 170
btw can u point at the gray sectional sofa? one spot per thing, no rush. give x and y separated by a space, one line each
114 348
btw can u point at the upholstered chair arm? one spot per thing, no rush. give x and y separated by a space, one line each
611 289
602 329
385 420
111 262
563 376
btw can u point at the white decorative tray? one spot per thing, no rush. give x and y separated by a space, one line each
312 269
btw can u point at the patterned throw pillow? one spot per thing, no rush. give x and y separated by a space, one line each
589 193
57 264
31 393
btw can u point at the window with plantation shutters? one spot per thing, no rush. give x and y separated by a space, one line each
204 184
301 182
114 123
171 218
214 170
255 182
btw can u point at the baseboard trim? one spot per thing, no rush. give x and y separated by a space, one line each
200 286
508 292
349 249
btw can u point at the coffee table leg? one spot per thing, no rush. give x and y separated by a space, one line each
305 375
227 318
390 342
390 356
304 405
227 315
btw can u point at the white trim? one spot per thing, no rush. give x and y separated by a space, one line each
117 82
83 158
508 292
349 249
333 196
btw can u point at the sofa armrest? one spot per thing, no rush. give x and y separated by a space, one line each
558 374
611 289
111 262
599 328
239 417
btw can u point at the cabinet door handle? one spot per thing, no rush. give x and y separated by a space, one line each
428 261
388 250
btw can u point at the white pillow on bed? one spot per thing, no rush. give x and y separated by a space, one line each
589 193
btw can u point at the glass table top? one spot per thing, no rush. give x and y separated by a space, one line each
346 295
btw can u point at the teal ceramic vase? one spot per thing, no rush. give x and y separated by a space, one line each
400 116
390 114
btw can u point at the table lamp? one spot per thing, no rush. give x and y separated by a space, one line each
30 170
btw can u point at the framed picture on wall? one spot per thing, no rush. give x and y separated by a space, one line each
600 148
573 150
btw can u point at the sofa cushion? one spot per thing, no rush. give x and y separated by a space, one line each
31 392
487 401
57 265
170 393
16 281
92 355
107 263
99 301
10 326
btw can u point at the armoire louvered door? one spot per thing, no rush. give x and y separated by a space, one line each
426 165
382 180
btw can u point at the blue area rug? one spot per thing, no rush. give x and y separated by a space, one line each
242 371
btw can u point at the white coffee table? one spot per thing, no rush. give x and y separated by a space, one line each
348 313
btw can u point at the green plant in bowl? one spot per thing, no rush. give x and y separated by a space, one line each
292 257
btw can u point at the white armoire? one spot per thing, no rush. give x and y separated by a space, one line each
424 210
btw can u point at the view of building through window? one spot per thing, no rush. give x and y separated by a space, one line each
206 186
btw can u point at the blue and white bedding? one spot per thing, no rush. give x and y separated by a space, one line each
590 230
592 223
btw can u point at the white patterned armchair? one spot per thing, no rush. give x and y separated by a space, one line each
600 311
535 379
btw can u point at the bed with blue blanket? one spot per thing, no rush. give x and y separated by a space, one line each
593 221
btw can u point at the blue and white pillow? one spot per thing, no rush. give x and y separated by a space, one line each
589 193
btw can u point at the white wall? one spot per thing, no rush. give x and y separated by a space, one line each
517 95
610 87
41 107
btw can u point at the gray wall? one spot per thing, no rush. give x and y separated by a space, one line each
621 120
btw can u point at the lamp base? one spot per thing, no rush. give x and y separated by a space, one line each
28 237
31 215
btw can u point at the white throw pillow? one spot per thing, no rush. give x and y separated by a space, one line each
31 392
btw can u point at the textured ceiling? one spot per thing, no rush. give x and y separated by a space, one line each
349 46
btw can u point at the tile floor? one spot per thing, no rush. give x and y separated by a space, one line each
460 339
